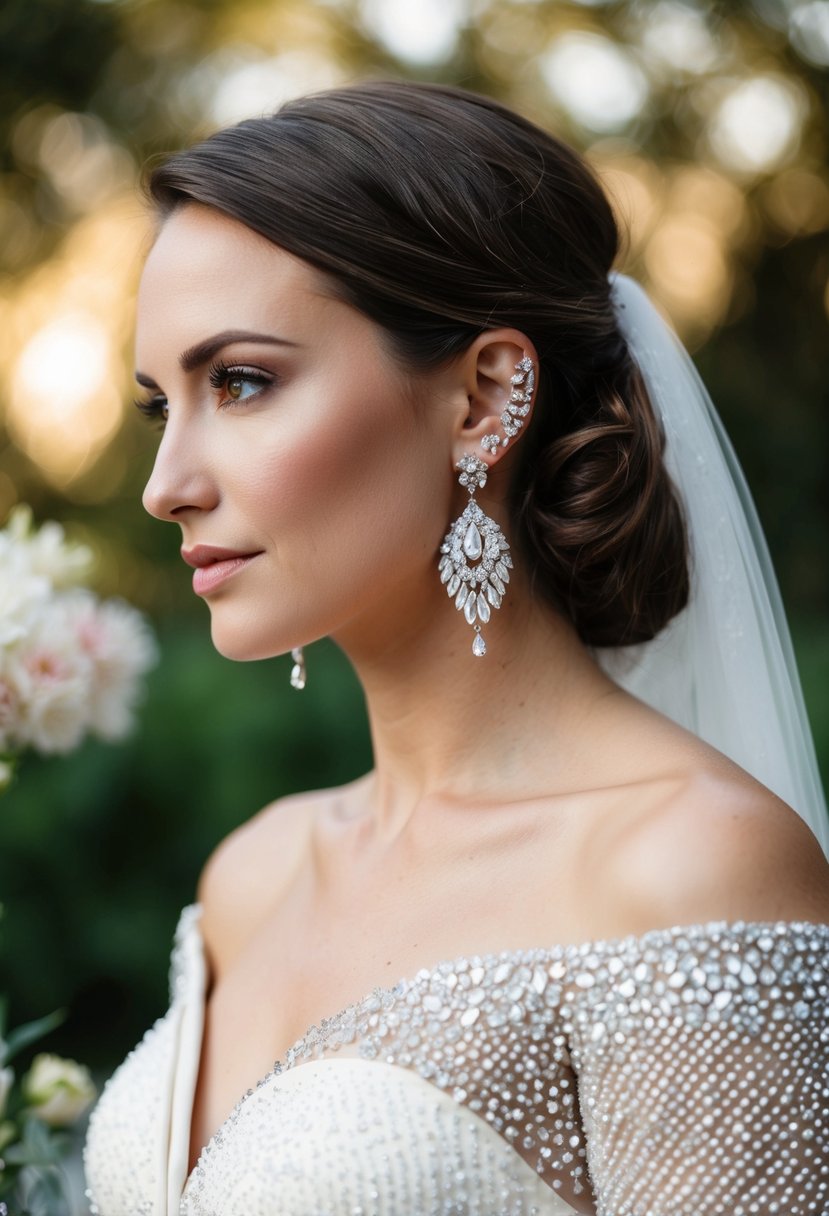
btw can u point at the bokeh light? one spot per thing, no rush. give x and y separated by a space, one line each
416 31
757 124
676 37
597 82
809 31
69 322
242 82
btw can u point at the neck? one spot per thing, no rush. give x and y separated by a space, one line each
449 726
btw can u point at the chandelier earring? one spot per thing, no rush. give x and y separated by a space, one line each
475 559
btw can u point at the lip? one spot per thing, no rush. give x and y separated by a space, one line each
207 555
213 566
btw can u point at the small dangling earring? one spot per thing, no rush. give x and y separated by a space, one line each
474 537
298 674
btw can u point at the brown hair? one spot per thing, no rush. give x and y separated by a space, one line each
441 214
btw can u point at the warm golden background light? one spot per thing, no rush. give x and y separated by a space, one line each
751 153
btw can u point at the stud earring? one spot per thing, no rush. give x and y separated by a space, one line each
518 406
298 669
475 559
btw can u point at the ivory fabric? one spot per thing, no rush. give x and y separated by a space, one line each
682 1072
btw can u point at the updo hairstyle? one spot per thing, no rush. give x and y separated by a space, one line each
440 214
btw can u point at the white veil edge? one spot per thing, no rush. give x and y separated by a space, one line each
724 668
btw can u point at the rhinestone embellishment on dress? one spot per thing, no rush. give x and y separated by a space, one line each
681 1072
628 1066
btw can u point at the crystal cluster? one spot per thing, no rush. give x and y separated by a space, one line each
474 567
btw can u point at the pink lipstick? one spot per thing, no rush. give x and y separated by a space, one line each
214 566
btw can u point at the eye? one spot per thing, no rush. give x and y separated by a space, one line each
154 408
240 384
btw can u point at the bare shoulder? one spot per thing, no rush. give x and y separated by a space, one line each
251 869
724 847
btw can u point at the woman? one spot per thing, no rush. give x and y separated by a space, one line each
405 406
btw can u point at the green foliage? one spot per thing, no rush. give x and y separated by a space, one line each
101 849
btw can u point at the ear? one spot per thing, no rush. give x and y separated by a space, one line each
501 391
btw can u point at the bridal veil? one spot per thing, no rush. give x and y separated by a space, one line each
724 668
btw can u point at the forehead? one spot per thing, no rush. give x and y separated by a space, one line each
205 267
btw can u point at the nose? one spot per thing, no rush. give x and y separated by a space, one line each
181 480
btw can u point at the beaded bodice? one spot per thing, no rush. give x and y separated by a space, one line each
683 1072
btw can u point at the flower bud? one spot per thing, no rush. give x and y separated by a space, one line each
57 1090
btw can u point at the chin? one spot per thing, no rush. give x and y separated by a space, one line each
241 646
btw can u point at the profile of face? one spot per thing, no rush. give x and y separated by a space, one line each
297 444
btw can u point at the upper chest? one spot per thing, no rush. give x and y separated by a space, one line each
347 924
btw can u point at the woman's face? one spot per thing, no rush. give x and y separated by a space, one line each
294 446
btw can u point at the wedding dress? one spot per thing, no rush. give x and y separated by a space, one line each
683 1072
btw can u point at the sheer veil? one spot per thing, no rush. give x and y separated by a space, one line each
724 668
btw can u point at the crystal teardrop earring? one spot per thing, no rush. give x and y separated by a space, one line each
298 669
475 560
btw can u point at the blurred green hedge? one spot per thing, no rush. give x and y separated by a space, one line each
101 849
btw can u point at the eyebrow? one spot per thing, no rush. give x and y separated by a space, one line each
198 355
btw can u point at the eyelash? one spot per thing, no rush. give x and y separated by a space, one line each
218 375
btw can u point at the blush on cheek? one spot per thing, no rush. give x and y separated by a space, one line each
354 503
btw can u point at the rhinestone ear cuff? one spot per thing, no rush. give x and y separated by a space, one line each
518 406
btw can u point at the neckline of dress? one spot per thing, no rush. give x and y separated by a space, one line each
189 924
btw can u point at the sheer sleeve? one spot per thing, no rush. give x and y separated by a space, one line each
703 1071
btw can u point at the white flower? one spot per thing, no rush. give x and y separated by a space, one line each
64 563
58 1090
43 552
120 648
6 1082
22 595
68 664
52 678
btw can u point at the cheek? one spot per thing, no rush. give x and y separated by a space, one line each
355 500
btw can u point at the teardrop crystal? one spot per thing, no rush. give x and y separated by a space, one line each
446 573
493 596
502 572
469 608
497 584
452 585
472 545
479 646
460 598
483 608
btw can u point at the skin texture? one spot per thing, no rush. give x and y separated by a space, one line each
519 800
